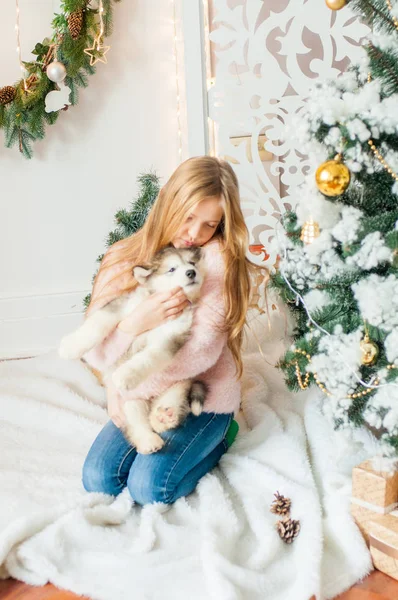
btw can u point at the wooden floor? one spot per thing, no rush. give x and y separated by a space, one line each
16 590
375 587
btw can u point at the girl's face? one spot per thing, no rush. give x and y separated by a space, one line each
200 225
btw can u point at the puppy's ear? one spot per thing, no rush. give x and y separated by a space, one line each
196 253
141 273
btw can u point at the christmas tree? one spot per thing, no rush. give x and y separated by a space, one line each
128 221
338 268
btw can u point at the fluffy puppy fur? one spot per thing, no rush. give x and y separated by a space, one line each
150 351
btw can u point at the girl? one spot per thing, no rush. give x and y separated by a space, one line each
198 206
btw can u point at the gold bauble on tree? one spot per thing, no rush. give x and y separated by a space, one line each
336 4
332 177
370 351
309 231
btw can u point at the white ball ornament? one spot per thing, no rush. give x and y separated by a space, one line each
56 71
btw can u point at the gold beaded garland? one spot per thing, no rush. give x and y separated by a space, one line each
304 384
394 19
364 392
382 161
333 177
321 386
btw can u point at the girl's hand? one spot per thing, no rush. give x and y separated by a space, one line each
155 310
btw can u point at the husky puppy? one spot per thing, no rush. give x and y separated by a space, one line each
150 351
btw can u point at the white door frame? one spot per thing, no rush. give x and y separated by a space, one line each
195 77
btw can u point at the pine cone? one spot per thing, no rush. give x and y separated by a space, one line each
281 505
75 23
7 94
288 529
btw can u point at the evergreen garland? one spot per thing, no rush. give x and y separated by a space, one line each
128 221
23 117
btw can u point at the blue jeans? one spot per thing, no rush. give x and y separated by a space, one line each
190 451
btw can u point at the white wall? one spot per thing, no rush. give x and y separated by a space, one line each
57 208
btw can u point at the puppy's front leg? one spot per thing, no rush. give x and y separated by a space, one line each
142 364
138 430
94 329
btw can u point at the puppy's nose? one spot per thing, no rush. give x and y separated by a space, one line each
191 274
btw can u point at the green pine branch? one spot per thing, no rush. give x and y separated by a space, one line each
130 220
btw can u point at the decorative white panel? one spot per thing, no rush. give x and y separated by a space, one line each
265 57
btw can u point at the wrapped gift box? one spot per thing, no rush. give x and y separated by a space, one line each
374 489
373 493
362 517
383 539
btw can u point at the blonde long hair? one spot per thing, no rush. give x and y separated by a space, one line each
195 179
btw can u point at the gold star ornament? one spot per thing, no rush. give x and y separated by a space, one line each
97 53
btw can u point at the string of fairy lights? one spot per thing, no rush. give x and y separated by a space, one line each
211 126
17 31
209 78
176 62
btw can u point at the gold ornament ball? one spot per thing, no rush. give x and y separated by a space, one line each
309 231
332 177
336 4
370 351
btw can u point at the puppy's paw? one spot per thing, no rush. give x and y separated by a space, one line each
163 418
149 444
70 348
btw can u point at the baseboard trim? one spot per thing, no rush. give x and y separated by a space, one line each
34 324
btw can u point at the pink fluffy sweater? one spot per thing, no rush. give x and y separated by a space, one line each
205 355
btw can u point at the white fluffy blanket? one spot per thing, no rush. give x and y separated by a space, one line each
220 542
